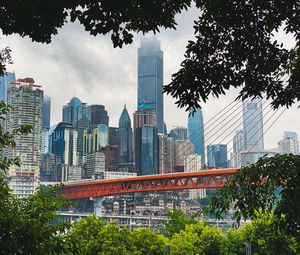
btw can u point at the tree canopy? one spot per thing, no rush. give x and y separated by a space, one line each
271 185
234 42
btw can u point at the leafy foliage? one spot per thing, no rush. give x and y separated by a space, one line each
177 221
197 239
234 42
256 187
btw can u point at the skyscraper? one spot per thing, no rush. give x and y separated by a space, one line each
4 84
145 141
289 143
253 125
46 112
125 137
196 133
150 78
217 155
26 99
74 111
98 115
179 133
238 146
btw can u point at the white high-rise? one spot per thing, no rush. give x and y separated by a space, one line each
26 99
253 125
289 143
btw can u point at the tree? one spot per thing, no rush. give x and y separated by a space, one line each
263 237
234 44
270 185
146 242
197 239
177 221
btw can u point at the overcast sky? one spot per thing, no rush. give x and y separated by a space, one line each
77 64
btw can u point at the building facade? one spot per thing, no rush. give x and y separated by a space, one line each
179 133
26 99
98 115
196 133
289 143
217 155
253 125
125 137
183 149
5 83
150 78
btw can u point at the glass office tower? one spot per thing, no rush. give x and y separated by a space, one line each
150 78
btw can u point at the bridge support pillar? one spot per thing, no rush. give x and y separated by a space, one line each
98 206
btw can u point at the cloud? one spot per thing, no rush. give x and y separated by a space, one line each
77 64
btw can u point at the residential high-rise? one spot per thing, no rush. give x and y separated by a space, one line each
95 165
94 139
183 149
253 125
289 143
98 115
217 155
4 84
179 133
150 78
26 99
162 154
192 163
196 133
125 137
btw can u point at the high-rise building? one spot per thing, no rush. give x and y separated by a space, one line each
192 163
113 136
145 141
217 155
162 154
26 99
196 133
146 150
111 155
4 84
95 165
98 115
253 125
179 133
150 78
74 111
64 143
171 154
46 112
289 143
238 146
94 139
183 149
125 137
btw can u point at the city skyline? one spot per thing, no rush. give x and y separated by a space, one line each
97 77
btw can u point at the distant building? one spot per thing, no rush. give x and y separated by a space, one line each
146 150
52 168
46 112
238 146
171 155
111 154
289 143
248 158
162 154
125 137
5 83
95 165
94 139
74 111
64 143
192 163
253 125
179 133
113 136
196 133
118 175
183 149
150 78
26 99
98 115
217 155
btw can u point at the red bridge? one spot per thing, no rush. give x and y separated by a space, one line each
189 180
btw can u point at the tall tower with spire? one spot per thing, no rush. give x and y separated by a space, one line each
125 134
